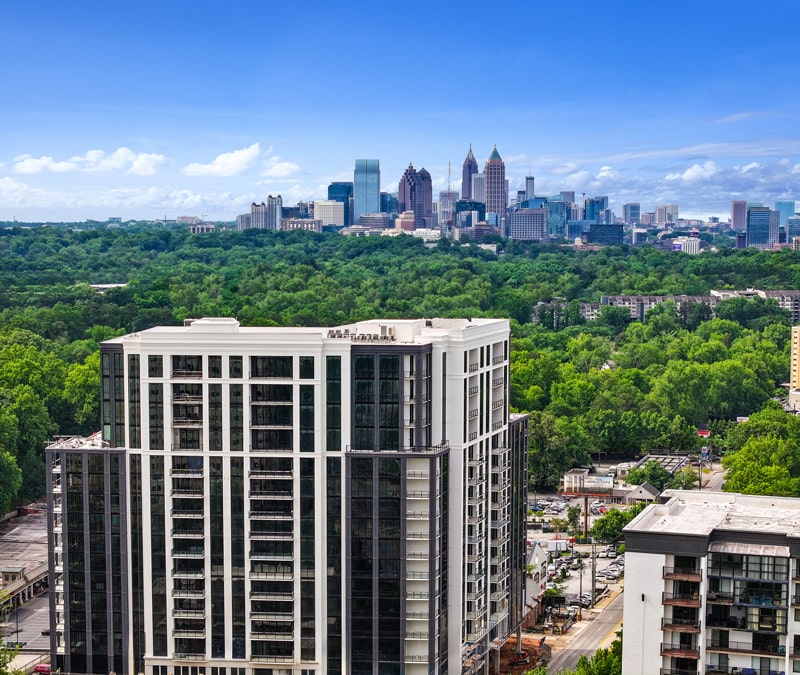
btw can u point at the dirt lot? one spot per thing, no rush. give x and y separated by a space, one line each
538 655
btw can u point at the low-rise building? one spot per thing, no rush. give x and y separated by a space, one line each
713 585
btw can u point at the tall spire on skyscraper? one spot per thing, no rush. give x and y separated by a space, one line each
469 170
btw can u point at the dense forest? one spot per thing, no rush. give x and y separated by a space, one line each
609 387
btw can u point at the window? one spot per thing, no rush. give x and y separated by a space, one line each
306 367
155 366
271 366
215 366
235 371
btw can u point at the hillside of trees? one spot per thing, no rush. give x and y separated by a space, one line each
608 387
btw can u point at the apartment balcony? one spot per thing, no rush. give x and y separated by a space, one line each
417 616
188 552
498 359
270 515
472 414
189 593
187 473
272 616
717 598
187 422
189 633
187 574
682 573
497 425
417 595
726 646
189 656
473 391
257 535
271 658
681 625
681 599
272 495
272 596
256 473
258 555
417 576
189 613
187 534
418 535
418 474
498 382
680 651
417 555
181 397
418 494
187 374
496 405
416 658
472 436
418 515
179 512
678 671
417 635
187 492
473 367
275 575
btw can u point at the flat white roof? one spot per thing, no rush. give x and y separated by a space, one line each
698 512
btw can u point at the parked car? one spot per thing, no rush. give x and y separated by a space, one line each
46 631
42 668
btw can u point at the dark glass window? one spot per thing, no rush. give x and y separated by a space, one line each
235 369
271 366
134 402
215 366
236 412
155 365
306 367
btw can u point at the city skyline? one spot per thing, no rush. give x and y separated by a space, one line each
183 110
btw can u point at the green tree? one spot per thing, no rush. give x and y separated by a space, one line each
652 472
7 655
574 518
10 481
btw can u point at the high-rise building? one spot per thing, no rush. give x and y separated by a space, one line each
243 221
529 187
785 209
329 212
469 169
527 225
447 203
631 213
762 227
606 234
274 213
366 188
593 207
415 193
710 585
794 370
389 203
568 196
258 215
325 500
343 192
739 214
495 188
479 188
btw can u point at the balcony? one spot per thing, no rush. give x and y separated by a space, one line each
682 574
183 397
473 367
189 613
678 671
271 495
498 382
473 391
498 404
745 647
718 598
187 374
681 599
189 656
681 625
497 359
271 658
188 552
681 651
187 422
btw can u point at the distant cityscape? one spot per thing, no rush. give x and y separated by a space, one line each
485 205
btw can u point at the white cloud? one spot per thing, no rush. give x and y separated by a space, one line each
275 168
227 164
607 172
30 164
94 161
696 172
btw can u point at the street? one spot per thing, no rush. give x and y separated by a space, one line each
598 631
33 618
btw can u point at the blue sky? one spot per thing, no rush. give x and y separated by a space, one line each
173 108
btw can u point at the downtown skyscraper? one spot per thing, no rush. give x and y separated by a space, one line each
415 193
366 188
495 185
469 169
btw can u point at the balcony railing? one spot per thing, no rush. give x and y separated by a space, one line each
682 573
680 650
681 625
682 599
746 647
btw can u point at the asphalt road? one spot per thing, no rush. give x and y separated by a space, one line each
599 631
34 617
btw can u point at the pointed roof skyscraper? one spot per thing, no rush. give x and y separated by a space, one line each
469 170
495 184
